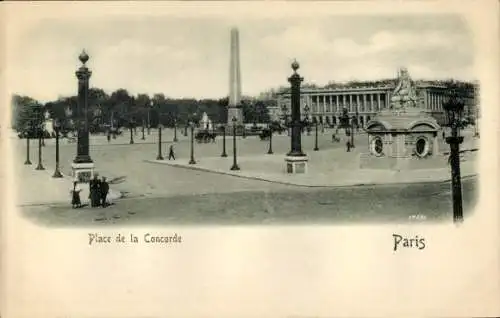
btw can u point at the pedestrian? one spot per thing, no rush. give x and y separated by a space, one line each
334 137
104 189
94 189
75 196
348 145
109 136
171 153
443 133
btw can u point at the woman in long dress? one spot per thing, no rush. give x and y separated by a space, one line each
75 196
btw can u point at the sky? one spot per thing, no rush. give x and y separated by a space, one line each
186 57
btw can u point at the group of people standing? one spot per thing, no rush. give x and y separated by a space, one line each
98 192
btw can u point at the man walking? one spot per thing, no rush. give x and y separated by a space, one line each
104 191
171 153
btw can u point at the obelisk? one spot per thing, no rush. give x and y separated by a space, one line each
234 109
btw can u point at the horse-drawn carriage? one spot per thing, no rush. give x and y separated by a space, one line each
205 136
265 134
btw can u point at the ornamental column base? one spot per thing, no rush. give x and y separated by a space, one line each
296 164
82 172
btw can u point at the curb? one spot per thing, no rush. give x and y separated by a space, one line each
353 185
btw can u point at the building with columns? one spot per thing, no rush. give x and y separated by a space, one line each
364 101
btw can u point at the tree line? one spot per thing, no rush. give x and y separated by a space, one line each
121 109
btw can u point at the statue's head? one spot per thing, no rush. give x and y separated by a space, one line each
403 72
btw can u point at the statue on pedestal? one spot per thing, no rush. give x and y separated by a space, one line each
405 94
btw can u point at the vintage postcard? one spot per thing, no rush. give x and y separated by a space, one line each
249 159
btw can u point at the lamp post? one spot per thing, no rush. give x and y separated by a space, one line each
235 163
270 151
357 121
159 157
224 154
83 74
149 120
352 132
46 117
296 142
175 128
143 137
57 172
192 161
131 130
40 166
28 131
454 108
316 138
306 119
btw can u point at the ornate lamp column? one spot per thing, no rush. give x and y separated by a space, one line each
352 132
149 116
40 138
28 130
175 128
235 163
296 160
296 142
143 137
159 157
454 108
57 172
192 161
224 154
316 138
270 151
131 132
306 119
83 165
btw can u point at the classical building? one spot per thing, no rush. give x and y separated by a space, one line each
364 100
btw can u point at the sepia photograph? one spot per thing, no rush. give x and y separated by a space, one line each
285 121
249 159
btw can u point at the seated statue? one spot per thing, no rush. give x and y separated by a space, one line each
404 94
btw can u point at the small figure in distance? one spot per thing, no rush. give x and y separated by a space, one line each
94 191
75 196
348 146
104 191
171 154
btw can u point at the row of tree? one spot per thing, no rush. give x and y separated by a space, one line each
121 109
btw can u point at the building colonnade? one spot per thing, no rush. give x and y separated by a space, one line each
326 106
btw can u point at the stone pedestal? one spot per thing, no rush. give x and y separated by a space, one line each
296 164
82 172
239 130
235 112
